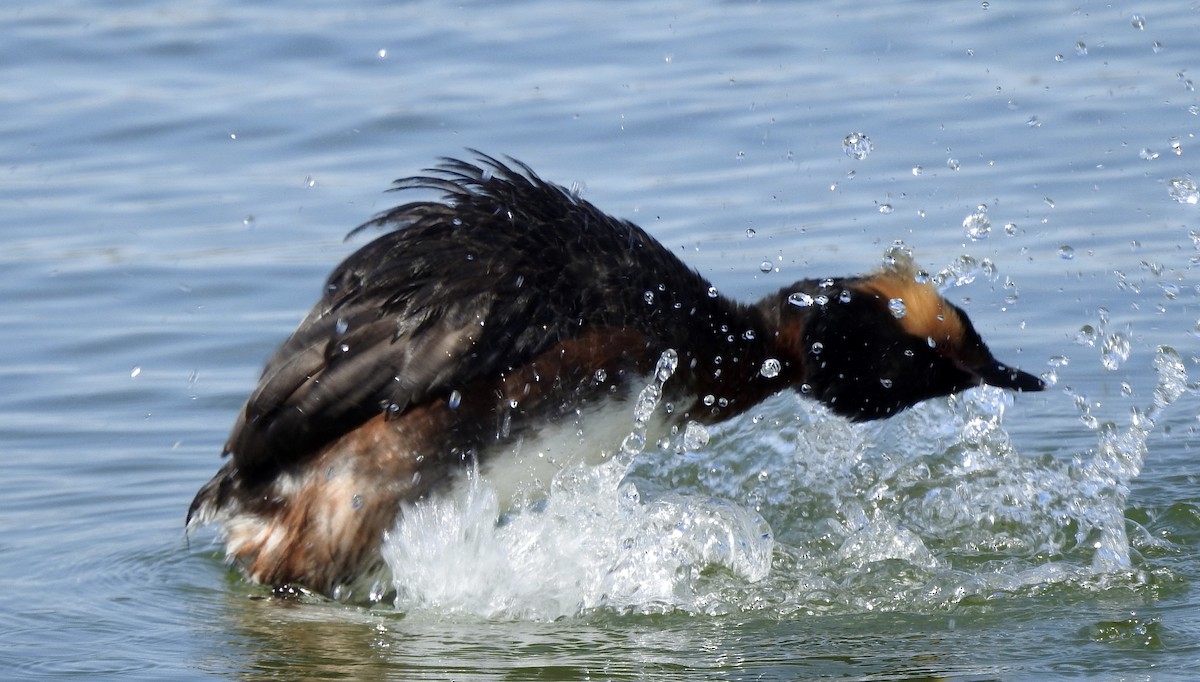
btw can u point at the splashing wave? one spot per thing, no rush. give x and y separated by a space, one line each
791 510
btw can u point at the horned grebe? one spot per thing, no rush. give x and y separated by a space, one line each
512 304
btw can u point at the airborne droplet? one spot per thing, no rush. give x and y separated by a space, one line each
857 146
1183 190
770 368
695 436
977 225
800 299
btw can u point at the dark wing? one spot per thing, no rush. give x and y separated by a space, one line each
502 269
418 312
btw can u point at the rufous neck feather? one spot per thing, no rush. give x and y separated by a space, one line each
925 312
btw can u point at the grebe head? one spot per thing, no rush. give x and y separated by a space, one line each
873 346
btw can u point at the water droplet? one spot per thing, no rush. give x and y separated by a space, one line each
897 307
710 399
1138 22
885 382
1010 229
1176 146
1049 201
1033 122
953 164
648 297
917 170
977 225
750 233
857 146
601 375
1172 376
765 266
800 299
382 53
668 362
695 436
1114 351
712 292
770 368
1066 252
340 327
816 348
455 400
633 444
133 373
844 297
1183 190
1080 49
1147 154
356 501
886 209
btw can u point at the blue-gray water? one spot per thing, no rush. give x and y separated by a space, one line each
177 178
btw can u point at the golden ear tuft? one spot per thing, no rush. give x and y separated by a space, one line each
925 313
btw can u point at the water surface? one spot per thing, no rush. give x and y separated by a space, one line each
178 179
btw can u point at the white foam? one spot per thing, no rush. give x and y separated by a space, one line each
592 543
788 509
552 528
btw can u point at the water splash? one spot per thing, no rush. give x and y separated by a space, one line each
645 405
1118 460
790 510
593 543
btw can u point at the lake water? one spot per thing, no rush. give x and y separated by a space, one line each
177 180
